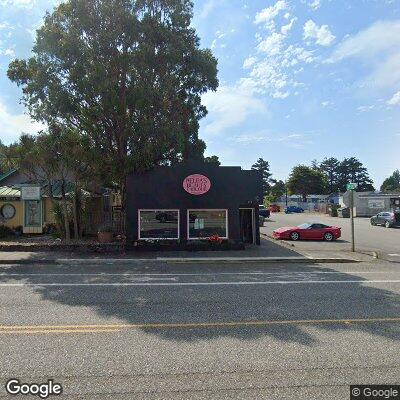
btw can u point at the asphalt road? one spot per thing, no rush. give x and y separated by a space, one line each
368 238
167 331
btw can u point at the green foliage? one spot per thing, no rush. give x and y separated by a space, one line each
392 184
340 173
263 166
305 180
128 75
330 168
212 160
5 232
277 190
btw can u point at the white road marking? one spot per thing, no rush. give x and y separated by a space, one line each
394 255
213 273
198 283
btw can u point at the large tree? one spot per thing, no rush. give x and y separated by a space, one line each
128 75
392 184
329 167
277 190
263 166
351 170
306 180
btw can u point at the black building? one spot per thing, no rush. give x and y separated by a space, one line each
194 201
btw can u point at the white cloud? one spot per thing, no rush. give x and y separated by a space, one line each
5 25
7 53
230 106
12 125
272 45
321 34
395 100
378 47
363 109
18 3
273 69
327 103
249 62
206 10
381 37
286 28
269 13
315 4
296 140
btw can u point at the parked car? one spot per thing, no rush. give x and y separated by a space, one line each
387 219
263 211
309 231
293 209
274 208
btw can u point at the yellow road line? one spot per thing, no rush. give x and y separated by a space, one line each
28 329
57 331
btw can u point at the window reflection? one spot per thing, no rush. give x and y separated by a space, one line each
206 223
159 224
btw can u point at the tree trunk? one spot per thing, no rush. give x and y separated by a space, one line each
65 213
75 214
53 203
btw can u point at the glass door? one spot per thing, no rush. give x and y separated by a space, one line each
33 216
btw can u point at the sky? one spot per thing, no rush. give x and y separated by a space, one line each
300 80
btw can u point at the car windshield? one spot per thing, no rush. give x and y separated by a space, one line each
304 226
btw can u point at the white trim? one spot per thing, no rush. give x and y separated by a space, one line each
159 210
206 209
253 218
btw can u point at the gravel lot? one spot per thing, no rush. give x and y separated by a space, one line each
368 238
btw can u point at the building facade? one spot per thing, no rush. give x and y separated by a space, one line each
194 201
367 204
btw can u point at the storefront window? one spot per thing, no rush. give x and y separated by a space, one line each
207 223
158 224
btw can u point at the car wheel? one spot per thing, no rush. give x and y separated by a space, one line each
388 224
294 236
373 223
328 237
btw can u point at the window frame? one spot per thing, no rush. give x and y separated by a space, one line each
159 210
207 209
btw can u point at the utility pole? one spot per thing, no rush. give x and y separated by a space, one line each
286 190
352 187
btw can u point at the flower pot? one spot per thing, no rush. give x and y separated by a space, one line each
105 237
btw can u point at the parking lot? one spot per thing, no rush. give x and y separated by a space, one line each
368 238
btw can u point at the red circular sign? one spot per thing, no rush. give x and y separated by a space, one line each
197 184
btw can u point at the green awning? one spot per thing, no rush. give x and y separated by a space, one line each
7 191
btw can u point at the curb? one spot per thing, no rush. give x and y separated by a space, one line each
265 260
211 260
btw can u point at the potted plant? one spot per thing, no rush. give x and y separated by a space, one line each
105 234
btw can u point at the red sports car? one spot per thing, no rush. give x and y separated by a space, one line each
313 231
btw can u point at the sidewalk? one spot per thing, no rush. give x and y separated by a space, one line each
269 251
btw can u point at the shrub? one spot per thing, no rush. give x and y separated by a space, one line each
50 229
106 228
5 232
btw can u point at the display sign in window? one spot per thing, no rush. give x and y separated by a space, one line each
158 224
33 214
206 223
